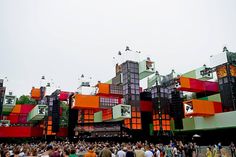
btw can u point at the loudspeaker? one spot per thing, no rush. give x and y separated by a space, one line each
73 118
55 116
177 109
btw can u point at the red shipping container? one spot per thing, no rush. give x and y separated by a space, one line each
36 132
22 119
196 85
146 106
218 107
64 96
63 132
10 132
26 108
211 86
13 119
119 100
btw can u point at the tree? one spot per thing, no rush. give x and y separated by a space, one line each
25 99
65 114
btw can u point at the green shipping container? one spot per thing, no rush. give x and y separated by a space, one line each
37 113
191 74
218 121
98 117
146 68
215 97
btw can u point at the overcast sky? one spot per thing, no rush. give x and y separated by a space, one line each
64 39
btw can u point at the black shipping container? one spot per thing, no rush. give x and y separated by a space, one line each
146 96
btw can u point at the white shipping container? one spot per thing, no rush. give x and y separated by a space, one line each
218 59
121 111
87 90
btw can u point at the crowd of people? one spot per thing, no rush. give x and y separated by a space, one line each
111 149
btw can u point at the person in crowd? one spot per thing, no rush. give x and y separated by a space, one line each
139 152
148 153
232 149
224 152
6 154
66 152
180 149
219 146
157 152
172 143
90 152
106 151
112 152
16 152
195 152
122 152
33 152
208 152
73 152
174 151
102 149
186 150
129 152
215 151
152 148
55 152
48 151
190 150
168 151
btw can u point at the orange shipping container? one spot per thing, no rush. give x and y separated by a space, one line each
35 93
85 101
16 109
199 108
184 82
103 88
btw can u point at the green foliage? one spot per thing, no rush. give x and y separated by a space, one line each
185 97
189 96
24 99
65 114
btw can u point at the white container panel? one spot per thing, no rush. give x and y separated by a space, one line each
218 59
